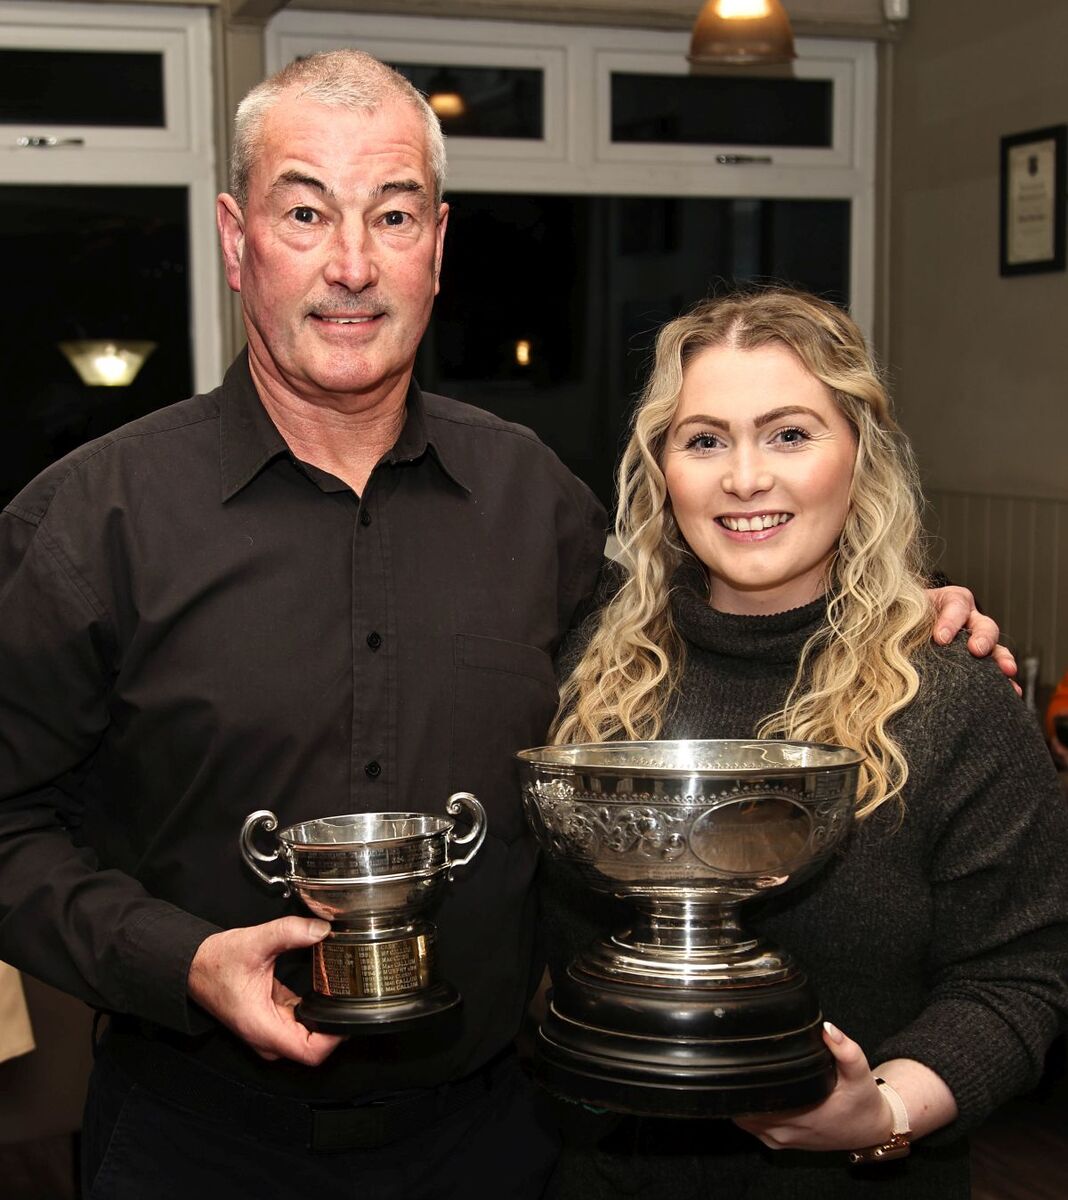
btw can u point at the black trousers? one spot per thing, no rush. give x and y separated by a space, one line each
607 1156
136 1145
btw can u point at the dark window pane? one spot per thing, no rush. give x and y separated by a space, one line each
87 262
81 87
487 102
717 110
549 304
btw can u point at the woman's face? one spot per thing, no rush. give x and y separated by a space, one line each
759 463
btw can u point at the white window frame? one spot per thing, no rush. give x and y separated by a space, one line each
576 155
182 153
550 59
823 64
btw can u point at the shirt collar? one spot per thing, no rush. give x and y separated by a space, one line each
249 439
415 441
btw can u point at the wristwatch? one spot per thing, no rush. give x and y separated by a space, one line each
897 1145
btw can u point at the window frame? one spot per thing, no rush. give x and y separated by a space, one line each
179 154
839 70
577 157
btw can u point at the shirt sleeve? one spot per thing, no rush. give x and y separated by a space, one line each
998 871
93 932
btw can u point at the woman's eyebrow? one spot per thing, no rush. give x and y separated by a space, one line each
787 410
702 419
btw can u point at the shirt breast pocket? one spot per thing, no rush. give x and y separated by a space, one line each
505 696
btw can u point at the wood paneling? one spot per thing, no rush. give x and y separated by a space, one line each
1008 550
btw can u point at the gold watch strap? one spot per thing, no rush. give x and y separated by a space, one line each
897 1145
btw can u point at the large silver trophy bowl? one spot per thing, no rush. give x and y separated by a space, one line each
683 1013
374 877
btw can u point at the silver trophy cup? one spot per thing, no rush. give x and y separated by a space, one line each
682 1012
374 877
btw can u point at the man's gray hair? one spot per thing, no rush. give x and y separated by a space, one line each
348 78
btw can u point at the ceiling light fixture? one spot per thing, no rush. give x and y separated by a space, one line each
107 362
444 95
741 33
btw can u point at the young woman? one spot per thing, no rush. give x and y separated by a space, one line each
771 582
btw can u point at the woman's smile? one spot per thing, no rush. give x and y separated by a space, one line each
753 527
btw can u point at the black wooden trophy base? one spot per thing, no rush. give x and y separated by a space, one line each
696 1051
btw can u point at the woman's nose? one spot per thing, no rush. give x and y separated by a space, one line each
746 474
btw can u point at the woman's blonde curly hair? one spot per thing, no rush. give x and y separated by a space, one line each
858 670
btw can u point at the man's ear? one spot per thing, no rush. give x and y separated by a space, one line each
231 225
439 250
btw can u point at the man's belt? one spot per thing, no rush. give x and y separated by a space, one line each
321 1128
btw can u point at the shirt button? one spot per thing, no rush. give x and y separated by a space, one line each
365 517
374 640
373 770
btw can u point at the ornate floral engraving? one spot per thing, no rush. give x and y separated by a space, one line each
587 829
716 829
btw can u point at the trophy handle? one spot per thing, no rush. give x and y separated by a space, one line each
460 802
265 818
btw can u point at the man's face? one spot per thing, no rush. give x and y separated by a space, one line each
337 252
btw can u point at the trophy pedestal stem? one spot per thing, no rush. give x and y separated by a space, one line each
709 1030
665 929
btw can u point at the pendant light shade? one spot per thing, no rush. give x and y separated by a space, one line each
741 33
444 95
107 362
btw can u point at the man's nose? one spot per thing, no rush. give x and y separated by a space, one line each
747 473
350 259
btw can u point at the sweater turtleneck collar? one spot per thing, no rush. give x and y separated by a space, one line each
775 638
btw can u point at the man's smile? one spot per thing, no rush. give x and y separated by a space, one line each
347 320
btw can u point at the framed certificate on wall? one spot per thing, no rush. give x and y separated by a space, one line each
1033 189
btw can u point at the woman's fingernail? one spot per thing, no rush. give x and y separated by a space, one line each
833 1032
944 634
982 645
319 929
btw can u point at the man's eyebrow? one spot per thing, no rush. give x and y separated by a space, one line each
392 186
299 179
775 414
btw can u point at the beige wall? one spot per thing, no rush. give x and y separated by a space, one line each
980 363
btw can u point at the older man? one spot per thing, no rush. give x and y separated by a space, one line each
314 590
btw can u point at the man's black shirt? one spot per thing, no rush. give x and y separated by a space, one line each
194 625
